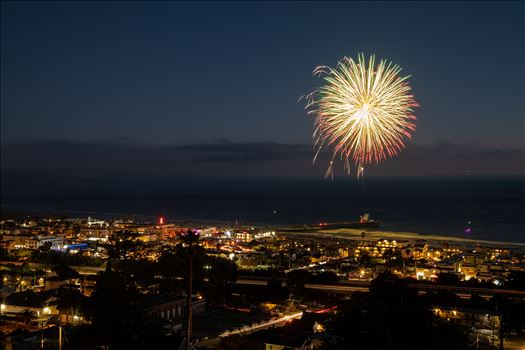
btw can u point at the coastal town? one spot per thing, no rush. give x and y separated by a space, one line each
262 175
287 285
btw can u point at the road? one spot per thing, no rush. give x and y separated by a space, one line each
249 329
344 287
83 270
262 325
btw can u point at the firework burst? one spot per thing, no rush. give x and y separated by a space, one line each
363 112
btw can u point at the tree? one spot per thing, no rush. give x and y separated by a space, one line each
25 269
112 308
45 247
221 273
477 302
3 253
70 301
141 272
275 287
325 277
295 280
237 342
65 272
448 279
190 240
393 258
391 316
27 316
364 259
516 280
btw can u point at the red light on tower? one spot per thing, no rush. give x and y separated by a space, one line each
161 220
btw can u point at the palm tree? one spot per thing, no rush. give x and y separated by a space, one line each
28 316
190 240
69 302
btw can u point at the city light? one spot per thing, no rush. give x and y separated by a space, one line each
161 185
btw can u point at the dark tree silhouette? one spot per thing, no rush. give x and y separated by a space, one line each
27 316
221 273
295 280
70 302
190 241
448 279
112 309
391 316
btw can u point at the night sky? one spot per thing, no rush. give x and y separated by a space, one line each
213 88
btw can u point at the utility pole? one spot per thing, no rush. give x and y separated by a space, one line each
224 292
188 299
60 336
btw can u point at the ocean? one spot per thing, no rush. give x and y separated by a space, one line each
493 208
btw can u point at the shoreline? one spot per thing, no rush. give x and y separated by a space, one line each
355 234
341 233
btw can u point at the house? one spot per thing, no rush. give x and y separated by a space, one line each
482 325
54 282
302 334
88 284
284 342
42 305
170 308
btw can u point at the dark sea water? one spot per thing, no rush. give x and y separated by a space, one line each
495 207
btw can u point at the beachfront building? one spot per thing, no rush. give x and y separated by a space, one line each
376 249
426 273
468 271
244 236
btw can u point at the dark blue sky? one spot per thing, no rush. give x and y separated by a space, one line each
91 90
178 73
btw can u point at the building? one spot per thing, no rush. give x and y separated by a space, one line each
41 306
55 241
305 333
244 236
54 282
170 308
482 326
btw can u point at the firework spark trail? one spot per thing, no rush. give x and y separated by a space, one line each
363 112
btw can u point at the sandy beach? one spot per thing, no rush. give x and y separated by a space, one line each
355 234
